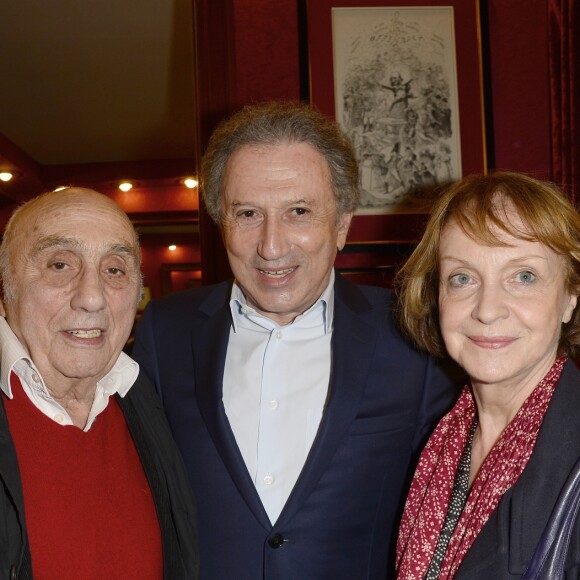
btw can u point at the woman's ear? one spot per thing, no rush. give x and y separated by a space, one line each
570 309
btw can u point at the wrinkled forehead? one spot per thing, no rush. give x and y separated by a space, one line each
87 222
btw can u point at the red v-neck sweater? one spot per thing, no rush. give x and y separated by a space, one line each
88 506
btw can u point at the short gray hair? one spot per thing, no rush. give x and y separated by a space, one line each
273 123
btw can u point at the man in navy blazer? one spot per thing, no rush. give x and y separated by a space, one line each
295 402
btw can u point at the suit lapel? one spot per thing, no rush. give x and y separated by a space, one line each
172 564
209 342
354 336
555 453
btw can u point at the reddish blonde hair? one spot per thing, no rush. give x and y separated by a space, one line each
476 203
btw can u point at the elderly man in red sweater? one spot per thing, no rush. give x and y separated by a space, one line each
92 484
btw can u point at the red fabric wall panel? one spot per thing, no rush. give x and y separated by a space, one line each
518 32
266 50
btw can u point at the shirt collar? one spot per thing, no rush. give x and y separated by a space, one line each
238 304
14 357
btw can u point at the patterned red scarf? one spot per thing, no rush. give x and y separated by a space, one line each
432 484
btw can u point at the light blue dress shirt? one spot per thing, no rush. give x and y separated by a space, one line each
275 388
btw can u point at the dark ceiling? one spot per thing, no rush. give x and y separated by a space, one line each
94 90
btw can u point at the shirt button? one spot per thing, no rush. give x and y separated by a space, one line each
278 335
59 418
268 480
35 378
273 404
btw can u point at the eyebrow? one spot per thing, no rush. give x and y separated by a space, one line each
300 200
74 244
512 261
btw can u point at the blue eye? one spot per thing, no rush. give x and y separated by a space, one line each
526 277
460 279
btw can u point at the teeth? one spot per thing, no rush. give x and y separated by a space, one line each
85 333
277 273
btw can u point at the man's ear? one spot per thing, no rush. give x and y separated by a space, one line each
343 226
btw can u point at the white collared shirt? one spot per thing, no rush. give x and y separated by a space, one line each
275 387
14 358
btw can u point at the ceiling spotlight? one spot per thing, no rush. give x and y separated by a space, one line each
6 176
190 182
172 248
125 186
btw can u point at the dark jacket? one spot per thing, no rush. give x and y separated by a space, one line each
164 470
506 543
340 519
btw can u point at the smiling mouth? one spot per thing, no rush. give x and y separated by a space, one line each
277 273
95 333
491 342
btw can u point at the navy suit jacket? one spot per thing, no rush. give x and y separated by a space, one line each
340 519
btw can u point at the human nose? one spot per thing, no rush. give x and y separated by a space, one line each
88 293
273 243
490 304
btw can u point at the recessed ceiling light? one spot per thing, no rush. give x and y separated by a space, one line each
172 248
125 186
6 176
190 182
